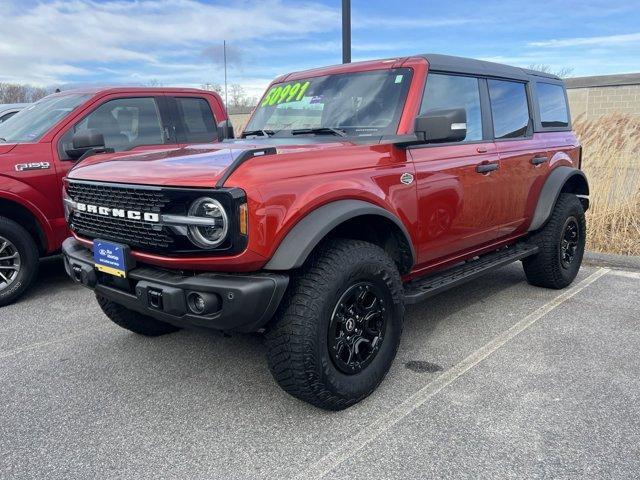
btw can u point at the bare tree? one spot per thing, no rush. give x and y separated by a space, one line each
561 72
15 93
37 93
236 94
213 87
12 93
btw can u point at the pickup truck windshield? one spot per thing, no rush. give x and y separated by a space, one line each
30 124
353 104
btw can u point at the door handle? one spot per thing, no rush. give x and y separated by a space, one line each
538 159
487 167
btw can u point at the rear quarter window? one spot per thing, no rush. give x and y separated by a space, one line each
553 105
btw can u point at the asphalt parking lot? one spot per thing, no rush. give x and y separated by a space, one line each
494 379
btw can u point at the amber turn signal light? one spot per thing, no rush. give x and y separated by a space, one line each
244 219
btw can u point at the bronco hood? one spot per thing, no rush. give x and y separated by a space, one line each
192 166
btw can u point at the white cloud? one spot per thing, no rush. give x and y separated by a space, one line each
43 42
607 40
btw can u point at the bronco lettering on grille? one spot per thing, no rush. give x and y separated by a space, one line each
118 212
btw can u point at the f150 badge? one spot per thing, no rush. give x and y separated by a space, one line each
23 167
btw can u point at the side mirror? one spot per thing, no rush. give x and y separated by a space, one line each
84 142
225 130
442 126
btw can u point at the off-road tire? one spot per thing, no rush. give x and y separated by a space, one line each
545 269
134 321
29 260
297 343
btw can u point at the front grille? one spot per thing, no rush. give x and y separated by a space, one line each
129 198
135 233
130 232
149 236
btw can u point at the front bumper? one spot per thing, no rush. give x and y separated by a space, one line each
236 302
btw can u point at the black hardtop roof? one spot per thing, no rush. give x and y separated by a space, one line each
472 66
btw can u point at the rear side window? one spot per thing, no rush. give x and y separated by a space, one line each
197 119
444 92
553 105
509 108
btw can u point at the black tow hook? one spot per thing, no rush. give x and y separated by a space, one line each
77 273
83 274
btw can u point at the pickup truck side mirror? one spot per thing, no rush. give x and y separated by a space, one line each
225 130
85 141
442 126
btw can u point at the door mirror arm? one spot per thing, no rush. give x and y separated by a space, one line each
86 143
225 130
438 126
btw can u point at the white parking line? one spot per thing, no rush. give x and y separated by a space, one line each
33 346
370 432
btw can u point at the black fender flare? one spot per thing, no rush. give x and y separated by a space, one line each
553 186
309 232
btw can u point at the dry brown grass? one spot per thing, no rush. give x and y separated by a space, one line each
611 161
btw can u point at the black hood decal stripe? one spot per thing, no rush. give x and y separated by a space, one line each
240 159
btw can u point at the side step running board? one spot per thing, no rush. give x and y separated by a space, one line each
420 289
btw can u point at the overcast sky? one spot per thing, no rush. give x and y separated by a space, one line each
178 42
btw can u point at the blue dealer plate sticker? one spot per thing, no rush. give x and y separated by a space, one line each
110 257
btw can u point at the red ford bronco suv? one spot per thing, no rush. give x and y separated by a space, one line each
356 189
37 150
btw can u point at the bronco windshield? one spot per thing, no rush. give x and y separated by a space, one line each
354 104
30 124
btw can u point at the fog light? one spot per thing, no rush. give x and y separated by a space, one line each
197 303
203 303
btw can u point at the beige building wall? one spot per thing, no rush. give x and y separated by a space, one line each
594 97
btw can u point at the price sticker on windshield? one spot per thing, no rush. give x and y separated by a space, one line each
289 92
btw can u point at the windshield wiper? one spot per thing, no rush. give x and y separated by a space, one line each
319 130
255 133
3 139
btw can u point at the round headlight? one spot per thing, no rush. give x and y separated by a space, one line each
212 233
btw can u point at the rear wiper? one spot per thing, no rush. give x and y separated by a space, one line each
254 133
319 130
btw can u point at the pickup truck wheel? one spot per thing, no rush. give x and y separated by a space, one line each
134 321
561 242
339 326
19 261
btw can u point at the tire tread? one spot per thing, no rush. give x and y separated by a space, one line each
544 268
292 341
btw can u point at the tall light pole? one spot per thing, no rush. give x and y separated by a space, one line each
346 31
224 54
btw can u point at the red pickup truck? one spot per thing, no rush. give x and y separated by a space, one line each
357 189
37 151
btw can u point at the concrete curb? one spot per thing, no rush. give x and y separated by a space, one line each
621 262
